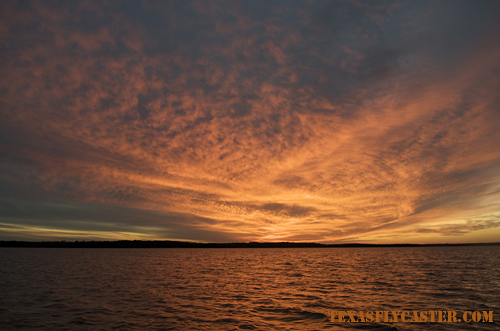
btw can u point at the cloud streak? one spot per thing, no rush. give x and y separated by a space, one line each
319 121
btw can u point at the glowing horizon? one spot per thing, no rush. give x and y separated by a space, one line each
324 121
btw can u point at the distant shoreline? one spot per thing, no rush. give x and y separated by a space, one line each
186 244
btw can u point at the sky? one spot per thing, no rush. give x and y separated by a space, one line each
236 121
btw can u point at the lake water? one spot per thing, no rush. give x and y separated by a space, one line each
242 289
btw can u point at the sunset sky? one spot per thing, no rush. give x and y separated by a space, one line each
228 121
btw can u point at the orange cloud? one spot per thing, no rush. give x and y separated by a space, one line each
336 123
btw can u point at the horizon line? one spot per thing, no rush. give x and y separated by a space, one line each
190 244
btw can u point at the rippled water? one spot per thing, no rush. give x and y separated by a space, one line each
238 289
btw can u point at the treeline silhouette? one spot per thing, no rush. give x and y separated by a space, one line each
186 244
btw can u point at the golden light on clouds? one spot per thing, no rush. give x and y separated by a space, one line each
322 121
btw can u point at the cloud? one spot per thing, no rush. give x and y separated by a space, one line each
97 221
321 120
461 229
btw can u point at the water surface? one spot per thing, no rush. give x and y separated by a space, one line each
242 289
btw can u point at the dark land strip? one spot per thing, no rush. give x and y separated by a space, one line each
186 244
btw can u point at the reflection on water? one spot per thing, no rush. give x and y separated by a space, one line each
238 289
